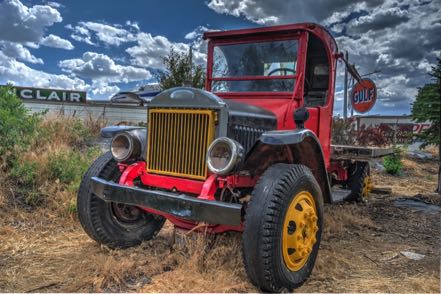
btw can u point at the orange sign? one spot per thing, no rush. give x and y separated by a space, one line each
363 95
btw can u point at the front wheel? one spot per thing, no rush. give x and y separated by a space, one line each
112 224
283 226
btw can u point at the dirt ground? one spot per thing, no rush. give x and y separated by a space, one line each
361 250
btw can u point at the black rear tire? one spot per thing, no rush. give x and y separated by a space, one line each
265 220
359 177
110 224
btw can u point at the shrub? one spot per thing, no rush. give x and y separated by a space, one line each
342 130
392 163
42 160
68 166
370 136
17 127
25 175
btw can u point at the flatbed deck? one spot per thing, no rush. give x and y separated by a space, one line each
345 152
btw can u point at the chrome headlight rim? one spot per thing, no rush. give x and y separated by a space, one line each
236 155
132 146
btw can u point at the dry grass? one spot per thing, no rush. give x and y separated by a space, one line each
64 259
44 249
62 141
344 218
419 176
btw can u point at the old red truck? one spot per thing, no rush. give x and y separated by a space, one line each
251 153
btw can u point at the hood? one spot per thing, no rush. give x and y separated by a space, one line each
241 113
186 97
239 121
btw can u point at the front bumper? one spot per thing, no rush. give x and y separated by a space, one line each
178 205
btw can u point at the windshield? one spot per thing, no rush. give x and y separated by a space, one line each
255 67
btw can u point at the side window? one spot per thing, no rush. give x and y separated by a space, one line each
316 88
320 77
316 74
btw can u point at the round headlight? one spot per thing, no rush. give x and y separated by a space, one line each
124 146
223 155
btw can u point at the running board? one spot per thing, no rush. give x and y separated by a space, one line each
339 195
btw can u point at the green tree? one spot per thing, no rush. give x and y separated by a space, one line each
427 107
180 70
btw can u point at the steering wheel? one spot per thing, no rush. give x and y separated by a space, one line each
281 69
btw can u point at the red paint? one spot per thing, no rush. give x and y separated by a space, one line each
283 104
131 172
170 183
209 188
251 78
205 190
339 170
236 181
364 95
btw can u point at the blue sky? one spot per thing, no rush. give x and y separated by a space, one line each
106 46
173 19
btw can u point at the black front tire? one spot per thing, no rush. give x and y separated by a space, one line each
109 223
265 221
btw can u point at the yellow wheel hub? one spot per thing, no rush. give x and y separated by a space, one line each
367 187
299 230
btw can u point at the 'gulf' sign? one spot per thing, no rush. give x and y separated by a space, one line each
363 95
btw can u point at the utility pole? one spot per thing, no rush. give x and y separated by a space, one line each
345 95
352 108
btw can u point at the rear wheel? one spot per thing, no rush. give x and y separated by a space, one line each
359 182
283 225
113 224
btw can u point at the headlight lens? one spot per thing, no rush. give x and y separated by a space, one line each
223 155
125 146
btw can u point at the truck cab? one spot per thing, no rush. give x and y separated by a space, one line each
281 69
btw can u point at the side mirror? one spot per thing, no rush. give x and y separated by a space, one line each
300 116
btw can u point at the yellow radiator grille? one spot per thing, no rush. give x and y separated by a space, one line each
178 140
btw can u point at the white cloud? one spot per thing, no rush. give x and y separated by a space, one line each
24 24
17 51
250 9
100 67
57 42
17 73
196 33
133 24
150 51
54 4
102 90
400 38
108 34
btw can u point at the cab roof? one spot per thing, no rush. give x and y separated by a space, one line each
316 29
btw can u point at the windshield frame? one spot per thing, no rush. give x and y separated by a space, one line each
300 63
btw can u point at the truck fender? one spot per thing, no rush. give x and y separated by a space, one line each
293 146
110 131
138 132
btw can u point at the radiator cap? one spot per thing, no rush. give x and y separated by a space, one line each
182 94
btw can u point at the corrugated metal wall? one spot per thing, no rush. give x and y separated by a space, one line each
111 114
